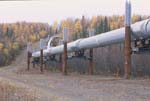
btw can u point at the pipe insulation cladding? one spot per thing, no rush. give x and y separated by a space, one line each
140 30
128 13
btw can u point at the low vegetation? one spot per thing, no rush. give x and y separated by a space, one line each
13 92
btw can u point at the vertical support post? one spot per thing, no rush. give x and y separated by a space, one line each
65 59
91 62
65 51
41 55
60 62
28 60
33 63
90 70
28 55
60 58
45 63
127 50
41 60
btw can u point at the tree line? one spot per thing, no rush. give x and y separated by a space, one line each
14 37
78 28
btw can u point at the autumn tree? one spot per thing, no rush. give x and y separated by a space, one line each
78 29
14 36
43 33
84 32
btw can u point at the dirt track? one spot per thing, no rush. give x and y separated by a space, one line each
74 87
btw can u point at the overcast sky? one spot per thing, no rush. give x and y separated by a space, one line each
56 10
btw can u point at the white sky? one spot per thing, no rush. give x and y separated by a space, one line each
56 10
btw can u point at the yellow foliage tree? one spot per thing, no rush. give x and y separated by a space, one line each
54 27
15 46
1 46
93 22
6 52
70 25
78 27
43 34
64 24
33 38
136 18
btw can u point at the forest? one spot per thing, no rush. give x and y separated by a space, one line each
14 37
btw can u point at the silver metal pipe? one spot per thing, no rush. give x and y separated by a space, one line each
128 13
140 30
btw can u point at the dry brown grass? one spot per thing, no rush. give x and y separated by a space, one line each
10 91
13 92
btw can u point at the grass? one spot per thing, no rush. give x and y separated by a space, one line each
12 92
16 92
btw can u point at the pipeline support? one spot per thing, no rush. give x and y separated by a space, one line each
60 62
41 60
65 59
91 62
128 52
28 60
